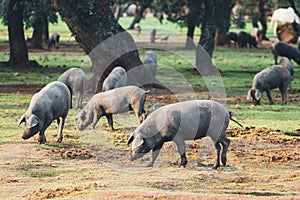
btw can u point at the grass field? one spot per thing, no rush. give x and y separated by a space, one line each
263 161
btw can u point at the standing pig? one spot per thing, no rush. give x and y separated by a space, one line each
116 78
245 39
150 62
53 41
189 120
272 77
283 49
114 101
51 103
76 81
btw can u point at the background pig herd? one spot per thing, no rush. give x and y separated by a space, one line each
189 120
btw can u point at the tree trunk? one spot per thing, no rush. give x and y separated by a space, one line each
106 43
189 43
144 5
221 38
39 27
223 16
262 19
46 31
208 28
17 44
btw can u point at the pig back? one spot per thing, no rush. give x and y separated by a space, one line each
271 77
118 100
200 118
190 120
54 98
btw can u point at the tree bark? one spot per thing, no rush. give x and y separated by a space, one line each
193 19
223 15
189 43
262 19
106 43
140 11
39 27
17 44
208 28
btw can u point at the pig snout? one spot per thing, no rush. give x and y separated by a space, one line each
25 136
130 157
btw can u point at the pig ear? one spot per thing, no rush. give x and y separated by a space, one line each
21 120
33 122
137 142
130 139
257 94
248 95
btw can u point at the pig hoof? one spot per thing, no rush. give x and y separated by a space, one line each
42 140
216 167
150 165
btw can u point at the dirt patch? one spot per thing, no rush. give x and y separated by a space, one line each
21 88
60 192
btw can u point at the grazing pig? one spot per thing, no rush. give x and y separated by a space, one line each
150 62
286 63
231 36
116 78
245 39
272 77
53 41
51 103
189 120
283 49
114 101
75 79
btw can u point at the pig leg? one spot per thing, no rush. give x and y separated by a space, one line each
225 144
268 91
80 96
218 149
138 107
96 118
275 58
77 100
42 137
71 92
283 91
181 149
110 121
60 123
155 152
